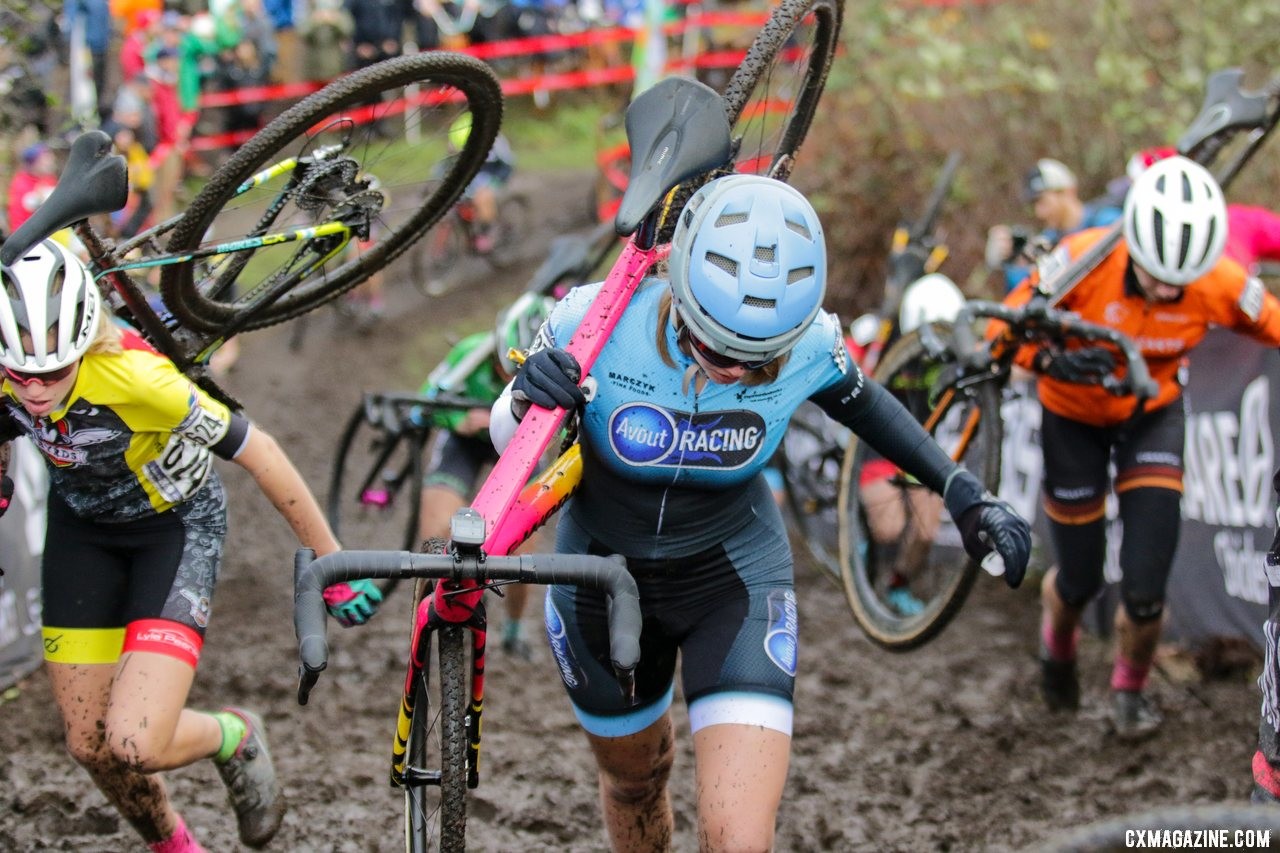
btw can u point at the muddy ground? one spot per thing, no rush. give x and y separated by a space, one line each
945 748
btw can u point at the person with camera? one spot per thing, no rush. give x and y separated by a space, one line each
1052 191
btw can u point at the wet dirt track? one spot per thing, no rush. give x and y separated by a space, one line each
945 748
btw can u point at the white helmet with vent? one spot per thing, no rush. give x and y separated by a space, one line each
49 296
1175 221
932 298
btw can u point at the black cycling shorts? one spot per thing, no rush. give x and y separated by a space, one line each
1148 458
457 462
728 613
144 584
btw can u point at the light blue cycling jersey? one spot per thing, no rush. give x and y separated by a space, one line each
665 465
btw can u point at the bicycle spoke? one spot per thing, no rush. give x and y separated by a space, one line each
371 153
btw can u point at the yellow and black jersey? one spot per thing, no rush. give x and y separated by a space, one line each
132 439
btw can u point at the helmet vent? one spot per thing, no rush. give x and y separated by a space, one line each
728 265
800 228
765 254
799 274
56 281
731 219
757 302
1157 225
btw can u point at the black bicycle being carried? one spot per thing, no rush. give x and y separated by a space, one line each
894 536
326 194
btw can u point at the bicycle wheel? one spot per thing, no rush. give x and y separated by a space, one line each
905 570
515 222
435 793
390 179
375 488
773 95
812 450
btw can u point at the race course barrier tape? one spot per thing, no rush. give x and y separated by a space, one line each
532 45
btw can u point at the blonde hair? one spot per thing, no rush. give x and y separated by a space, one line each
107 338
759 376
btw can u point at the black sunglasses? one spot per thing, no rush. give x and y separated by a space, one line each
719 360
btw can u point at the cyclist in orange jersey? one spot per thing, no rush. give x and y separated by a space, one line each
1163 285
136 522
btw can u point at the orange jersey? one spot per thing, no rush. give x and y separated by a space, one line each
1165 332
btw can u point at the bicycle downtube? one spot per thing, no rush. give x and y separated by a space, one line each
508 521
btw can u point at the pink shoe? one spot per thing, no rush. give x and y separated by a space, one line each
180 842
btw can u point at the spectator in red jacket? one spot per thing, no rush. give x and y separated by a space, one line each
32 184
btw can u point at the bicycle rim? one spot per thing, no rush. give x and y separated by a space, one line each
515 221
375 488
905 571
392 120
812 452
773 95
771 98
436 788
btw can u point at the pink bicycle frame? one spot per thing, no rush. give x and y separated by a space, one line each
509 520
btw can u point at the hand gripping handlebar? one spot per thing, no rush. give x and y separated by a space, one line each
606 574
1038 316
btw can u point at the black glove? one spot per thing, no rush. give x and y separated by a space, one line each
1085 365
986 523
6 492
549 378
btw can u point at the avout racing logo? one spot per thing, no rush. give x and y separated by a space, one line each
642 434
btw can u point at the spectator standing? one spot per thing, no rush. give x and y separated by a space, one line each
379 29
32 184
326 35
1052 191
96 17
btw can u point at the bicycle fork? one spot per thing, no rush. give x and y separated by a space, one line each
449 604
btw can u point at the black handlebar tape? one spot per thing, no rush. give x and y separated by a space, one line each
607 574
610 575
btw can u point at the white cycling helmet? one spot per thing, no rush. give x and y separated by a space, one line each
932 298
748 266
864 329
48 294
518 325
1175 221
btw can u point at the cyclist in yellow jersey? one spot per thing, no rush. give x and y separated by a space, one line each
137 517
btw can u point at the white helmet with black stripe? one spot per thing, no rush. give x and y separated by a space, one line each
49 312
1175 221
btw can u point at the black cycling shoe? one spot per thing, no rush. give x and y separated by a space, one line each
252 788
1133 715
1059 684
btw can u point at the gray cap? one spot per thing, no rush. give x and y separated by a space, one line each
1047 175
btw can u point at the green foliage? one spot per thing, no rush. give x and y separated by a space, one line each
1006 83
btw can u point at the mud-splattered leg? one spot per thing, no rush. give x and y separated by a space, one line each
741 773
123 722
633 787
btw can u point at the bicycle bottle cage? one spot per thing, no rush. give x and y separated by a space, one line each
93 181
677 129
1226 107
